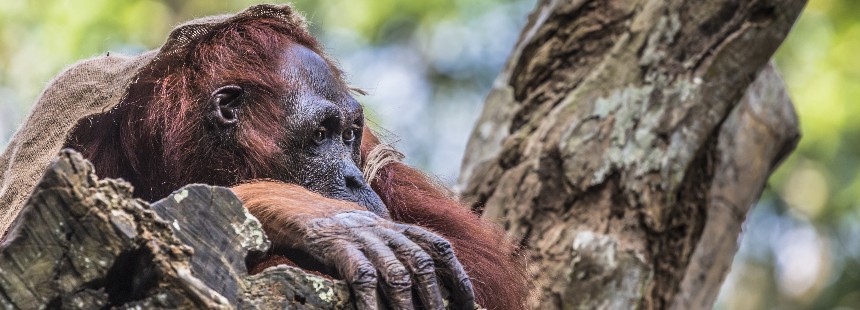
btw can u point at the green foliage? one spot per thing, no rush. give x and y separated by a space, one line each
801 249
822 70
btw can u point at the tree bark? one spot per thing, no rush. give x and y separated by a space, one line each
625 142
85 243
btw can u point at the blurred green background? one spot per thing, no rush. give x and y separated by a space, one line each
428 64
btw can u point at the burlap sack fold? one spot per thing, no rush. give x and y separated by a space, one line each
90 87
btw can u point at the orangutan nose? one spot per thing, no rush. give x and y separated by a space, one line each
360 191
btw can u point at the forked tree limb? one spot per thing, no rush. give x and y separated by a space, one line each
624 145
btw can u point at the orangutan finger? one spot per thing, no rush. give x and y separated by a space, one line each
451 271
358 272
421 266
396 280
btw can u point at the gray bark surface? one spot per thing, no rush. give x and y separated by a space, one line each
85 243
625 142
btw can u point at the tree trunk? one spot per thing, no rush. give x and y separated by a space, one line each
626 141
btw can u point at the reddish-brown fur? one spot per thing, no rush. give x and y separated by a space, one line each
165 106
154 137
275 203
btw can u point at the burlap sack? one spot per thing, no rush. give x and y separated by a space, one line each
90 87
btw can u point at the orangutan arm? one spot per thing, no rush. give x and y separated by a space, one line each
358 244
490 259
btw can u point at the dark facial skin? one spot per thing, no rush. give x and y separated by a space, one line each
331 121
325 124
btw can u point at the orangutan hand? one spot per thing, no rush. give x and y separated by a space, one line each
365 249
368 250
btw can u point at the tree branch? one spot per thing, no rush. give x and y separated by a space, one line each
607 144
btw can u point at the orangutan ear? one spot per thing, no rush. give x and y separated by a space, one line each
224 104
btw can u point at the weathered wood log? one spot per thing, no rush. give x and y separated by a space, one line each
85 243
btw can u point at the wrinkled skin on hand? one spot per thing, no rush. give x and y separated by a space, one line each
368 251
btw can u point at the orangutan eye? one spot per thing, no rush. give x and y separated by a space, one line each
349 134
320 134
